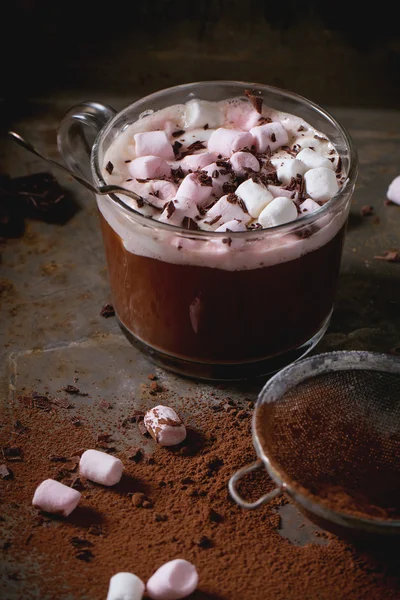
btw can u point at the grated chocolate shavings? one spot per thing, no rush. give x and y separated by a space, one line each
264 120
176 146
273 137
63 403
177 133
203 178
301 128
109 167
214 220
256 101
228 188
177 174
169 209
189 223
224 164
232 198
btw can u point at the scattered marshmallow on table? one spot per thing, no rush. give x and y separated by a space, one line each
164 426
192 188
199 161
55 497
200 112
288 168
243 161
227 141
174 580
225 211
272 134
393 193
255 196
312 159
149 167
233 225
125 586
153 143
321 183
281 210
100 467
308 206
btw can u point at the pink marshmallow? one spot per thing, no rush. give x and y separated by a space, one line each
262 135
277 191
241 161
191 188
100 467
183 207
198 161
55 497
227 211
164 190
174 580
234 225
227 141
393 193
164 426
149 167
217 180
154 143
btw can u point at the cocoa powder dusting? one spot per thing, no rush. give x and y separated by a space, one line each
175 505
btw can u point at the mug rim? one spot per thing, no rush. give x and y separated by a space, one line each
277 229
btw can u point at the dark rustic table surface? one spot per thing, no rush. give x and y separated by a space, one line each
53 283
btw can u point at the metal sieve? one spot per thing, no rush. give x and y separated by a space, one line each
332 422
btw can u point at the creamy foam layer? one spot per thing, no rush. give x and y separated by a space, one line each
226 250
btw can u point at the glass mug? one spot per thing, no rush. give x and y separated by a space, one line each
201 304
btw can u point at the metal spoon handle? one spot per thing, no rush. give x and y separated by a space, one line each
102 190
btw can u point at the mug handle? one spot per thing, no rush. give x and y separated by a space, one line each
74 143
235 494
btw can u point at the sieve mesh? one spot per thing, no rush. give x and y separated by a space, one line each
339 430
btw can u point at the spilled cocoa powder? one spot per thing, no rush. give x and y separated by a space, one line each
184 511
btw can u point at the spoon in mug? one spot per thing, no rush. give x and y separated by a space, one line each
101 190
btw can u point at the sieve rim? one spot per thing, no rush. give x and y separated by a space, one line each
289 377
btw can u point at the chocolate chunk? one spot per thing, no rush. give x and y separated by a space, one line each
273 137
5 473
12 453
74 391
85 555
109 167
63 403
197 145
160 518
367 210
214 220
389 256
75 421
135 454
224 164
55 458
178 133
80 542
204 542
169 209
176 146
339 165
177 174
320 137
107 311
97 530
189 223
256 101
41 402
214 516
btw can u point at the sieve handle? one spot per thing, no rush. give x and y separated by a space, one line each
235 494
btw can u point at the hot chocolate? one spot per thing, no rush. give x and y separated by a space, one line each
230 256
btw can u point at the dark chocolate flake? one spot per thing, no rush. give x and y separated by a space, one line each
339 165
228 188
206 126
85 555
12 453
301 128
128 161
63 403
273 137
107 311
176 146
74 391
189 223
170 209
109 167
256 101
80 542
177 133
214 220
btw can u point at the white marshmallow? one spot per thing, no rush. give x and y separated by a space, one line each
281 210
241 161
198 161
393 193
184 207
153 143
101 467
312 159
262 135
227 211
308 206
288 168
191 188
227 141
174 580
149 167
55 497
255 196
233 225
125 586
321 183
200 112
164 426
